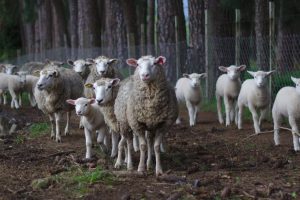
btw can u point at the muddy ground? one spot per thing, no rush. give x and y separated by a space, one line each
208 161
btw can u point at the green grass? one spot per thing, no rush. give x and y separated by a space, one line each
38 129
20 139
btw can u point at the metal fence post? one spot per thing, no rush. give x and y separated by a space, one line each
237 36
271 40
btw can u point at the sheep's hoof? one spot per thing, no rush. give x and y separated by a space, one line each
130 168
118 165
158 172
81 127
67 133
52 137
113 154
149 167
141 169
58 140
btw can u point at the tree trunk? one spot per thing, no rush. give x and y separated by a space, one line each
73 9
81 24
150 27
45 26
261 31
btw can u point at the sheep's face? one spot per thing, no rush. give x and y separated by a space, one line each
22 77
194 79
82 105
79 66
260 77
103 89
9 69
297 83
47 79
233 71
102 64
147 66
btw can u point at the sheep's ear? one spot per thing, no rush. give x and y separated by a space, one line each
242 68
186 75
59 63
112 61
90 61
92 100
223 69
47 61
270 72
295 80
251 73
36 72
131 62
56 73
115 82
161 60
88 85
203 75
70 62
70 101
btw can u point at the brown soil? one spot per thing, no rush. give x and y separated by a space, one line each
208 161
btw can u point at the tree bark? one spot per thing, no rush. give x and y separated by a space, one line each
73 9
150 27
81 24
45 25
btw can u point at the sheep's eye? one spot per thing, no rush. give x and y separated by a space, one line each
94 88
109 86
85 104
50 75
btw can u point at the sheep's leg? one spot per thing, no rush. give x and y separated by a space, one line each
57 123
129 157
118 163
277 119
52 117
228 107
107 140
232 111
149 149
191 113
88 143
219 108
263 116
141 167
163 145
236 110
157 142
80 123
14 99
101 135
240 116
255 118
114 144
68 123
32 100
136 143
20 99
196 108
295 131
4 98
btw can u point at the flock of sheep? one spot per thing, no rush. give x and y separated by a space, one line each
137 112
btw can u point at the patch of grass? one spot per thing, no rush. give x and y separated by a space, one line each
38 129
294 195
91 177
20 139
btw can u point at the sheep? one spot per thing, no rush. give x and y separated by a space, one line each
29 86
228 87
13 84
102 67
188 91
8 68
255 95
56 85
151 106
287 104
31 67
80 66
92 120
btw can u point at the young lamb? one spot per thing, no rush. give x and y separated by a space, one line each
255 95
151 106
8 68
80 66
29 87
13 84
188 92
228 87
287 104
92 120
56 85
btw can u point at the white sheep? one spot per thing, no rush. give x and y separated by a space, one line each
56 85
92 121
8 68
29 86
287 104
188 92
256 96
228 87
80 66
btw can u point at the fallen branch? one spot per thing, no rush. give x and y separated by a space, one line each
60 153
248 195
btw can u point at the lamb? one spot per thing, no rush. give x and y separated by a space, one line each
255 95
290 108
188 91
13 84
31 67
228 87
80 66
29 86
92 120
106 90
56 85
102 67
151 106
8 68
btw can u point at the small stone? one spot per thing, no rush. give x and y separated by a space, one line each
197 183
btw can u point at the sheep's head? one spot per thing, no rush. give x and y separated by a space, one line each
9 68
103 89
22 76
53 63
194 79
260 77
82 105
297 83
102 64
47 78
79 66
233 71
147 66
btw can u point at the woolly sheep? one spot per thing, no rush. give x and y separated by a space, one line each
255 95
31 67
92 120
8 68
30 82
287 104
151 106
82 67
228 87
56 85
188 92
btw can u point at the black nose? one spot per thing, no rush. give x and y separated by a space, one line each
99 101
39 86
102 72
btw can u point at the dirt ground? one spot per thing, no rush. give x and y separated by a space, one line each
208 161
